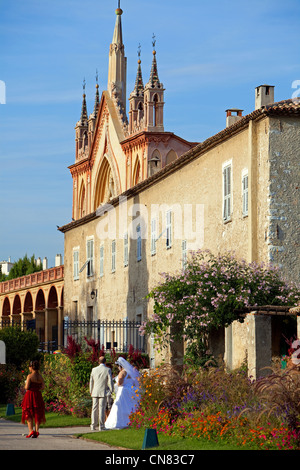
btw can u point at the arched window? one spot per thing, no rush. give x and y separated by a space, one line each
28 304
6 307
52 298
17 305
84 141
140 111
154 164
136 172
40 301
171 157
155 110
81 207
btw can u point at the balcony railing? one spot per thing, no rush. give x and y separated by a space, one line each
39 277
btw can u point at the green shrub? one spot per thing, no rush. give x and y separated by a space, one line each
67 384
10 381
21 346
81 369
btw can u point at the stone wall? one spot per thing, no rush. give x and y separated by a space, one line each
284 220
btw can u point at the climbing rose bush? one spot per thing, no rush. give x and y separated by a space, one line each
210 293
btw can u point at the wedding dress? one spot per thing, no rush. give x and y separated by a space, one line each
127 398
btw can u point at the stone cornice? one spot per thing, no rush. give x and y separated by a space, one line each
144 137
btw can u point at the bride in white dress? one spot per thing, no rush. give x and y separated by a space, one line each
127 397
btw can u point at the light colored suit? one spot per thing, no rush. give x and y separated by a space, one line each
101 385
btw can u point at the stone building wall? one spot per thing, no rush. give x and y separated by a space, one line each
196 187
284 220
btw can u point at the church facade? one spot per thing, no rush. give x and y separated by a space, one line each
143 198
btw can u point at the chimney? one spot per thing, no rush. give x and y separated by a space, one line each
264 95
233 115
58 260
45 263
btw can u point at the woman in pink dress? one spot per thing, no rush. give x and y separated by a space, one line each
33 407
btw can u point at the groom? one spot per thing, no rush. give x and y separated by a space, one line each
101 383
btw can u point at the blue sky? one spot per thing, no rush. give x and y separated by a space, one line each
211 56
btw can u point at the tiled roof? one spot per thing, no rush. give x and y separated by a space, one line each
291 106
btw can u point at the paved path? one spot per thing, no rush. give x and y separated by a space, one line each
12 437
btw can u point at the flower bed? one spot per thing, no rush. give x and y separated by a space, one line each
230 410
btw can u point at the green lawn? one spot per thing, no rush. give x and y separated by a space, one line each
133 439
53 420
126 438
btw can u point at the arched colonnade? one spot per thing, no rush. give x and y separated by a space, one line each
35 301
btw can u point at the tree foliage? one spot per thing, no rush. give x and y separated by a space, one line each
21 346
22 267
210 293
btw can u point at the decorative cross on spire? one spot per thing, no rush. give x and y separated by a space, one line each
97 76
139 51
153 40
119 4
83 85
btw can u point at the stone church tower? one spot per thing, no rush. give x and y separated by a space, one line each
114 152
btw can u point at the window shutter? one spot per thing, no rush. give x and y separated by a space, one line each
126 249
169 229
90 257
76 264
113 256
245 195
227 193
153 237
101 261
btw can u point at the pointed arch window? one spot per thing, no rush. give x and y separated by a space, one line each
81 208
171 157
154 164
140 107
137 172
85 141
107 183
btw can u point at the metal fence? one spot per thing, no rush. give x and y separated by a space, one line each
111 334
30 325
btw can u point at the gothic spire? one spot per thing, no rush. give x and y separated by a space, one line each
154 80
84 115
139 85
117 67
118 37
97 99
